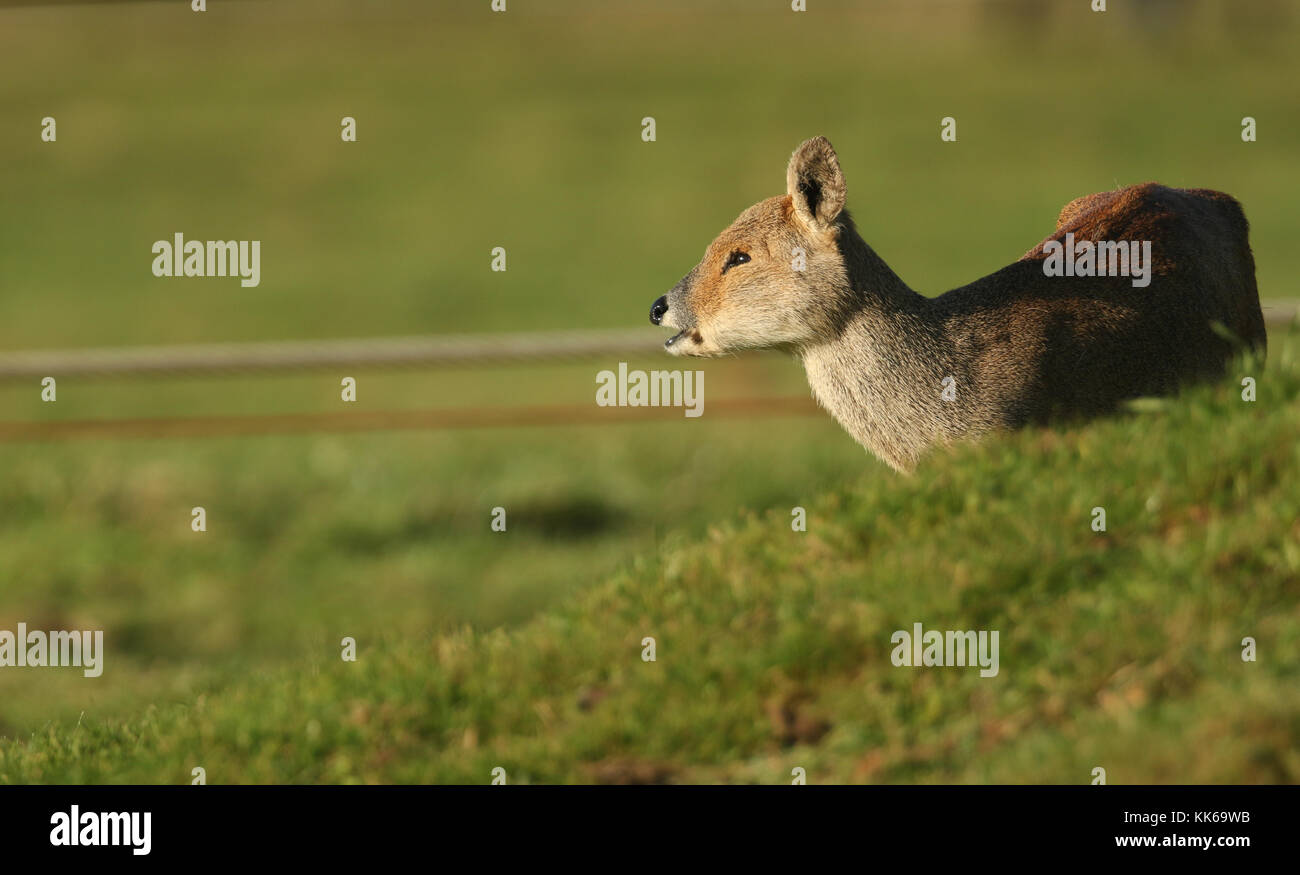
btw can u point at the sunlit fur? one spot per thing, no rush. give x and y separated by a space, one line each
1019 346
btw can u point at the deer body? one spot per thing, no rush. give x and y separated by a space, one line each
902 372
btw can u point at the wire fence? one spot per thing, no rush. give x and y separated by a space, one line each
468 351
1281 312
248 358
396 352
429 351
393 420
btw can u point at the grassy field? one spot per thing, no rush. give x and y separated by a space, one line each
1119 649
522 649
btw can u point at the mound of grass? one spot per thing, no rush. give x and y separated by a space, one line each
1120 649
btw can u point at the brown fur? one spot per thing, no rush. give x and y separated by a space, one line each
1020 346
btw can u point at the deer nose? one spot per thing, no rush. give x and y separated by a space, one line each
658 309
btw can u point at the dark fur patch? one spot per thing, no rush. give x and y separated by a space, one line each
811 190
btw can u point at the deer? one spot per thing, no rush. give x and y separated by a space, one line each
1028 344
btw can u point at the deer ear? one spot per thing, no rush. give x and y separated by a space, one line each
815 184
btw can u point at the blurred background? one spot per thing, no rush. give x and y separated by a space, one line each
520 130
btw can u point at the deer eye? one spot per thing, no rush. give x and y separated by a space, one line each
734 259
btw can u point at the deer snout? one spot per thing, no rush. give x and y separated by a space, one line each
658 309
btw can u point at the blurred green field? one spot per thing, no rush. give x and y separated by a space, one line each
523 130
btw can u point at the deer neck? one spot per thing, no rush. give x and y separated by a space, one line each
880 373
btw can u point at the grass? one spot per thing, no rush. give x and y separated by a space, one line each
313 537
522 650
1120 649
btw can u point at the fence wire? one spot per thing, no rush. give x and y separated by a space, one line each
392 420
428 351
395 352
245 358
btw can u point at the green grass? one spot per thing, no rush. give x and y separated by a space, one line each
523 130
316 536
1119 649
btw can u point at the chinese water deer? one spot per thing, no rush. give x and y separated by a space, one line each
1159 290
